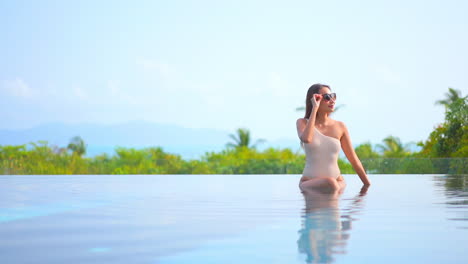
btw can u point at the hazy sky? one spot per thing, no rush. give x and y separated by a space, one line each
229 64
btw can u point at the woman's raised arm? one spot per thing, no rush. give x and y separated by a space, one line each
305 129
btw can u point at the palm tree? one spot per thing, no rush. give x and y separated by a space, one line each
451 96
242 139
393 148
366 151
77 146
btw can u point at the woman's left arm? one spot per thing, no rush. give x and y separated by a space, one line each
351 155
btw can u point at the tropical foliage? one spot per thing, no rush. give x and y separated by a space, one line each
77 146
445 151
242 139
393 148
450 139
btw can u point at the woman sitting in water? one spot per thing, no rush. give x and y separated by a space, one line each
321 138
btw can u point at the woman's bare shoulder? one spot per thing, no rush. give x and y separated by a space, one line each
340 123
301 120
342 127
336 123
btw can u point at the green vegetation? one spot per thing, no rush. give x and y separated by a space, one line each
444 152
77 146
242 139
450 139
41 159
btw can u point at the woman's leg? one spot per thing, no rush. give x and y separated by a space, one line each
341 184
325 184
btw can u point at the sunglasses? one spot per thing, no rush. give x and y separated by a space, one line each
329 96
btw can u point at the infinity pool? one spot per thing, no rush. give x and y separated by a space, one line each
231 219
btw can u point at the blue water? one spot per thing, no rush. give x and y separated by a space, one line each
231 219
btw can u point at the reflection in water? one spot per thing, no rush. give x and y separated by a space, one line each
456 190
324 229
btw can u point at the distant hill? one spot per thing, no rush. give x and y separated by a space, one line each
190 143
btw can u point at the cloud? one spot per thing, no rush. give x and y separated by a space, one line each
17 88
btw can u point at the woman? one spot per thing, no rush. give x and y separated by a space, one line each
322 138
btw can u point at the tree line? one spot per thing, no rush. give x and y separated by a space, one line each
444 152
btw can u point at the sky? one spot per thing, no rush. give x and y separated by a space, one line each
231 64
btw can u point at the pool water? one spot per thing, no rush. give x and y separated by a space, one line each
231 219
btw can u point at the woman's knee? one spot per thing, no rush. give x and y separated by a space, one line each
324 183
332 183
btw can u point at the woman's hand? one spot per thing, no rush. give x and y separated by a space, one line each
364 189
316 99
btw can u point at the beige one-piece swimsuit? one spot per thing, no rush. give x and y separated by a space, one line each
322 156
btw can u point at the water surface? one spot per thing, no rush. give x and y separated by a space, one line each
231 219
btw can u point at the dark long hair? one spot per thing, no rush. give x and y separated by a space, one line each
314 89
